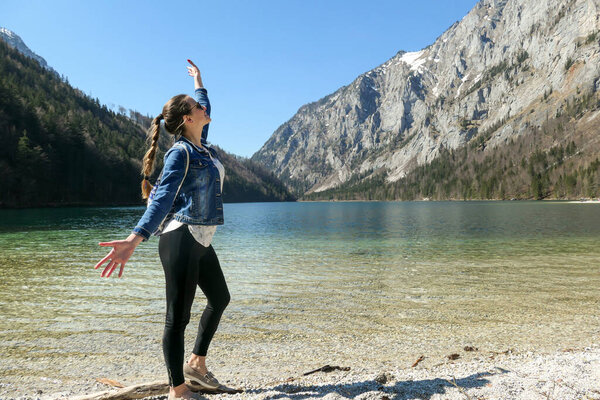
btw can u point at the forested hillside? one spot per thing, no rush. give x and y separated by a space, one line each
558 160
248 181
61 147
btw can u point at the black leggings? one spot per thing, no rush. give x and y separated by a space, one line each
186 264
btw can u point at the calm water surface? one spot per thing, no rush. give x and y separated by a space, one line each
378 282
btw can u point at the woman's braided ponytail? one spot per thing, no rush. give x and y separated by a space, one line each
148 162
172 113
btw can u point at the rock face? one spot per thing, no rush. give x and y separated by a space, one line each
487 74
15 41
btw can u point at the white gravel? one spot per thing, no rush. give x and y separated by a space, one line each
562 375
565 374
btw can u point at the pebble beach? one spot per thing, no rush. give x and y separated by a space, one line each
572 374
472 374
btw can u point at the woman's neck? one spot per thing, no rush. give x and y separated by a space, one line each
195 138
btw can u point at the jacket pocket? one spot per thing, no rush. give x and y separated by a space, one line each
198 164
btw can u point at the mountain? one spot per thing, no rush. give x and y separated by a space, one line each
491 83
61 147
15 41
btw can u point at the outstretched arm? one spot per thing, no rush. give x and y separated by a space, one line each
173 174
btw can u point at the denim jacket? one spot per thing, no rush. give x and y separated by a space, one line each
198 201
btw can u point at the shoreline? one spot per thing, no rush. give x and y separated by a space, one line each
54 206
426 200
562 374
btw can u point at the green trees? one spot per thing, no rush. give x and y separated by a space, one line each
58 145
61 147
546 162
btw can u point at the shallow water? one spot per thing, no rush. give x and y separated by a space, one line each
311 284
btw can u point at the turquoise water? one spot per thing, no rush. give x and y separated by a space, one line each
379 282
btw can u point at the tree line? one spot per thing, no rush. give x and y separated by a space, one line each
62 147
554 161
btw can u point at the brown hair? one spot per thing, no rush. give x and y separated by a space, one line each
172 113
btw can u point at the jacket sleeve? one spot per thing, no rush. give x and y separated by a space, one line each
202 98
173 174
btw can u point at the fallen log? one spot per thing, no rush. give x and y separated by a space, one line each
129 393
146 390
324 368
110 382
327 368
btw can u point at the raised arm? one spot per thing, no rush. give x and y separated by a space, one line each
201 95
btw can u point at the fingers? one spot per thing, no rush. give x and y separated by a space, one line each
103 260
108 268
193 70
114 265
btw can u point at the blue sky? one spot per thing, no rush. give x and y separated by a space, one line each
260 60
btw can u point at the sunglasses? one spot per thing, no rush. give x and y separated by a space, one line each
200 106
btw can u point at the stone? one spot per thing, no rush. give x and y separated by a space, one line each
384 378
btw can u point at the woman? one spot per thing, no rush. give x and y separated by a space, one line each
185 207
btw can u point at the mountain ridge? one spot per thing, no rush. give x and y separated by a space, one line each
501 60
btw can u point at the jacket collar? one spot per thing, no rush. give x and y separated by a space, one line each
199 149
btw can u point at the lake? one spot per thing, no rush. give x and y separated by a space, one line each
357 283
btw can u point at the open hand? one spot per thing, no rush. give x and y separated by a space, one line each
118 256
193 70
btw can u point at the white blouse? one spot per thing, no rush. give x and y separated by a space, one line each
202 233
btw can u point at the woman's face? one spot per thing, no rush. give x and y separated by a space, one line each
198 115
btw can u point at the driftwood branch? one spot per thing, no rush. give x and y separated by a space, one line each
162 387
327 368
145 390
130 392
418 361
324 368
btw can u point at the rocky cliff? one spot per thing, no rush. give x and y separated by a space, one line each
507 66
15 41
